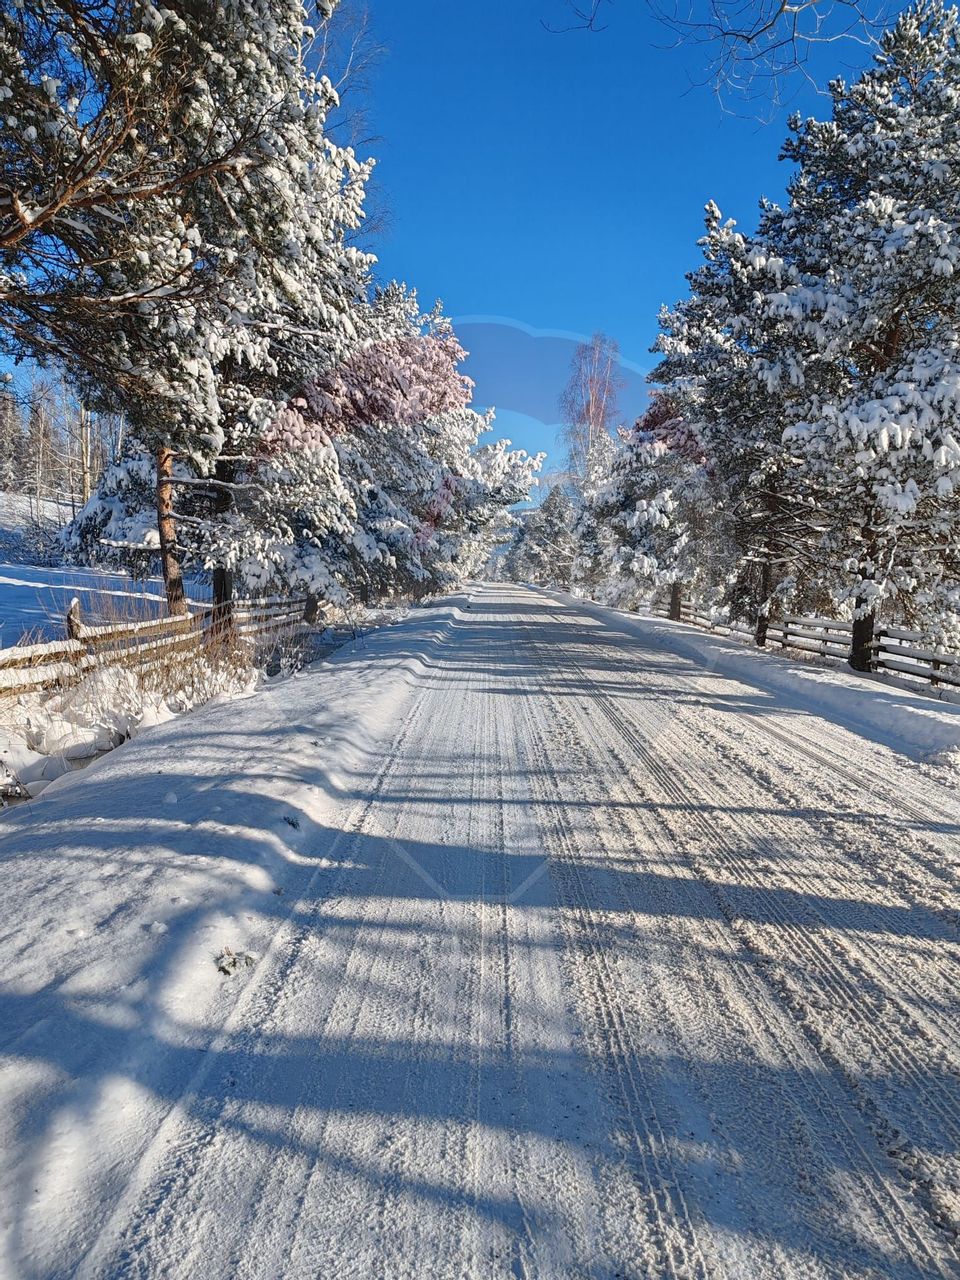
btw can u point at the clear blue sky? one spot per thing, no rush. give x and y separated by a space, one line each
555 181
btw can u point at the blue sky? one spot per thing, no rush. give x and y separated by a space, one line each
554 182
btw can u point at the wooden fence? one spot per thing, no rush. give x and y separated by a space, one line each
828 637
43 666
898 653
145 646
902 652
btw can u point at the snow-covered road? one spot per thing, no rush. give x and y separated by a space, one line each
578 955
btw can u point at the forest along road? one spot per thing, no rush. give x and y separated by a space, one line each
598 963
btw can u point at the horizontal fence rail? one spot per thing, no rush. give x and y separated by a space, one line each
146 645
828 637
42 666
902 652
897 652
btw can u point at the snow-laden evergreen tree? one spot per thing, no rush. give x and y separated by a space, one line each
589 411
202 268
373 481
502 477
545 545
593 559
349 470
810 455
654 508
731 370
872 230
12 442
118 526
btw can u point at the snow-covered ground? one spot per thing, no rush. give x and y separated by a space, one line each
34 598
583 945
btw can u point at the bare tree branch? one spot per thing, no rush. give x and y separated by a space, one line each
752 49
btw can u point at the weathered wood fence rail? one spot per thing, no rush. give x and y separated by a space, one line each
144 646
902 652
42 666
897 652
829 637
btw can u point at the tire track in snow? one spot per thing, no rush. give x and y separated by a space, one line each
840 992
830 855
913 1121
671 1246
898 1222
936 865
156 1200
738 1148
941 929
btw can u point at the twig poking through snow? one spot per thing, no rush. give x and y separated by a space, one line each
229 961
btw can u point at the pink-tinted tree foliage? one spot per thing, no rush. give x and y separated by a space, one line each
661 422
401 381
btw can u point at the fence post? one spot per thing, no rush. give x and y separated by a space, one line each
221 614
73 620
676 602
861 644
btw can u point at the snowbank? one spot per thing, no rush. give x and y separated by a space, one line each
122 885
48 733
914 725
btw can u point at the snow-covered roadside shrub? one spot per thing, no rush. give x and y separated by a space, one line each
45 735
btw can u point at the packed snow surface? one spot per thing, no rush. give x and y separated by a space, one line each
557 944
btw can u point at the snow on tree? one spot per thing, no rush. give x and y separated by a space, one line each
372 481
12 442
589 408
593 561
118 526
545 546
404 370
873 228
655 507
729 383
202 267
812 372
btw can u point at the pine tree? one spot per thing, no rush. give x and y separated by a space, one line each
214 209
11 443
873 225
546 545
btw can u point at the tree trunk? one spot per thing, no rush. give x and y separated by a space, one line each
861 650
85 454
676 602
166 527
222 577
222 622
763 616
